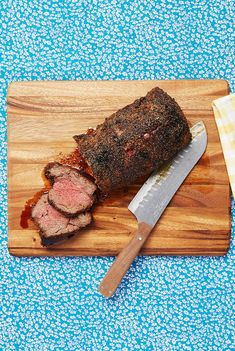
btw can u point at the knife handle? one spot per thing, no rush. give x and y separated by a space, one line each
124 260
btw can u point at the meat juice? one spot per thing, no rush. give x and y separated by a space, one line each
26 212
75 159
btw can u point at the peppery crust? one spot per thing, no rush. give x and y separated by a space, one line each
135 140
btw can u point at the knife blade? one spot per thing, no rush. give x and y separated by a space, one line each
153 197
150 202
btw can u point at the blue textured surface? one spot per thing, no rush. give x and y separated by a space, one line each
164 303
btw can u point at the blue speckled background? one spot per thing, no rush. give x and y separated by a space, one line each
164 303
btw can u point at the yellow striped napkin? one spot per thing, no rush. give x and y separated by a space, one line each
224 110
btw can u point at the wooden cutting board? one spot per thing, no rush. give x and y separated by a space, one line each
42 118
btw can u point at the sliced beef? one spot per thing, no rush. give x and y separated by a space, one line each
53 225
72 192
135 140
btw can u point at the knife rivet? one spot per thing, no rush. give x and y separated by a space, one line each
140 238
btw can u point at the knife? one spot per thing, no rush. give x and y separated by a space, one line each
150 202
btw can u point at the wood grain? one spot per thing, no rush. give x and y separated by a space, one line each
43 117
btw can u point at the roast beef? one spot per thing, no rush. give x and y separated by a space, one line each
53 225
135 140
72 192
130 144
